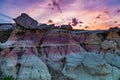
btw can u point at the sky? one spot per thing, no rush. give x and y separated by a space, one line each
81 14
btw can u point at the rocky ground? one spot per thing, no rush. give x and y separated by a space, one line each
48 52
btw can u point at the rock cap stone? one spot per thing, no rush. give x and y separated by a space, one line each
26 21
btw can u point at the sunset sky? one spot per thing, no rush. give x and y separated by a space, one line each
82 14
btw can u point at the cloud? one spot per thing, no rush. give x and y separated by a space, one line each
83 10
5 19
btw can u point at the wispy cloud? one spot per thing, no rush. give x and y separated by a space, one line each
83 10
5 19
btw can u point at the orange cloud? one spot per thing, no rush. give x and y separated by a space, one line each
75 9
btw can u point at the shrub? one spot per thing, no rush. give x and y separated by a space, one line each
8 78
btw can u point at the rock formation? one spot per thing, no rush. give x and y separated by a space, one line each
26 21
42 52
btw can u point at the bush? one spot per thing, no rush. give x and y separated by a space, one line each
8 78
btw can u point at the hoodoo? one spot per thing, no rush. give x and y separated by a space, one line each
43 52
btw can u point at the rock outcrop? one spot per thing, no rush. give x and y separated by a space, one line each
26 21
6 27
23 64
89 66
38 52
5 30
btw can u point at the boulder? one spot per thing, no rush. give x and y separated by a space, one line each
26 21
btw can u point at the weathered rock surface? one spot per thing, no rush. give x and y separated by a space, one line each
89 66
32 68
8 62
106 45
74 54
23 64
26 21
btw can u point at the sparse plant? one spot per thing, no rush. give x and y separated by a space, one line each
8 78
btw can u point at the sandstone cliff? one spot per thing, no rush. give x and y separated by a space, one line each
47 52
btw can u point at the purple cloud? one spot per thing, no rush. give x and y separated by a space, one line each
55 4
74 22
